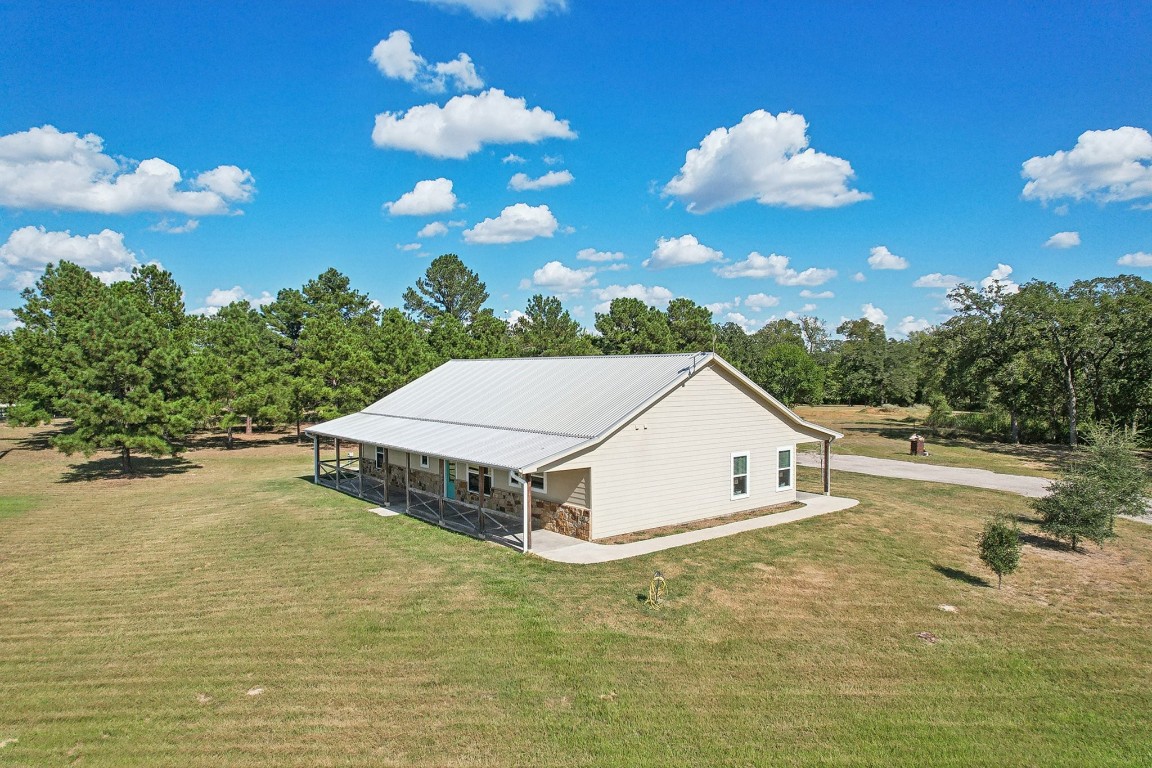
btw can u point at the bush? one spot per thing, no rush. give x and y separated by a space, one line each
1000 547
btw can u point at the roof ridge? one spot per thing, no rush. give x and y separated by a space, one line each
576 357
580 435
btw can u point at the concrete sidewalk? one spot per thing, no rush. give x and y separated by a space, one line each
1033 487
565 549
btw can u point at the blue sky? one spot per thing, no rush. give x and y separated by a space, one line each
751 157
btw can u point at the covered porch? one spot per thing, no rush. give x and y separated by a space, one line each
347 468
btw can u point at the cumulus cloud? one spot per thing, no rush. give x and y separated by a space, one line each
171 228
427 197
591 254
761 301
513 158
433 229
522 181
29 249
774 266
1000 275
408 246
1105 166
654 296
466 123
882 258
222 297
681 252
1138 259
742 320
515 224
937 280
8 321
46 168
911 324
858 277
765 158
394 57
807 294
561 280
1063 240
509 10
873 314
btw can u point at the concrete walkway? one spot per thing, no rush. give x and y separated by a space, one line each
565 549
1033 487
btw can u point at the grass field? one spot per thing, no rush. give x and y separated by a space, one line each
221 610
884 434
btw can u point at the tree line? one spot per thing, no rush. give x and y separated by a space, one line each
135 372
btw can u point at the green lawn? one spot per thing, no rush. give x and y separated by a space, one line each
884 433
139 618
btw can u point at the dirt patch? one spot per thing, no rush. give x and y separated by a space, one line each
697 525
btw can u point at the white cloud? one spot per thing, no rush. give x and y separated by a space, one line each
591 254
44 168
433 229
29 249
509 10
775 267
882 258
522 181
427 197
1000 275
222 297
807 308
514 317
873 314
8 321
760 301
765 157
466 123
512 157
515 224
562 280
654 296
169 228
858 277
717 307
394 57
937 280
1063 240
741 320
618 266
552 159
1138 259
1106 166
911 324
807 294
408 246
680 252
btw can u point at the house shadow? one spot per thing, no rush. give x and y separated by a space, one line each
958 575
143 467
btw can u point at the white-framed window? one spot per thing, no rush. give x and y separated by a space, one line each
423 462
784 468
539 481
379 457
474 480
740 467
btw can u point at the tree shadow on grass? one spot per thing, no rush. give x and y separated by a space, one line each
1044 542
142 467
958 575
37 441
240 441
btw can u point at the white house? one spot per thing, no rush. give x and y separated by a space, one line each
587 446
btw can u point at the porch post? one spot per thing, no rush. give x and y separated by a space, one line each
827 468
360 473
316 459
480 506
337 462
387 471
407 480
527 513
443 486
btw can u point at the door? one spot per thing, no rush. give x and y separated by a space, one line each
450 479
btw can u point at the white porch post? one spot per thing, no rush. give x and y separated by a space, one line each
407 480
827 467
316 459
360 470
337 463
527 486
387 471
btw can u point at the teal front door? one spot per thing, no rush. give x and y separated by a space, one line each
450 479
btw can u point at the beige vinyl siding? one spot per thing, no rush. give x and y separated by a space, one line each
673 463
569 486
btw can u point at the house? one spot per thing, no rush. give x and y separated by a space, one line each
589 447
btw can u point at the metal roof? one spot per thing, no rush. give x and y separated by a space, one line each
521 412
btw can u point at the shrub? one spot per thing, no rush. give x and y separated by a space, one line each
1000 547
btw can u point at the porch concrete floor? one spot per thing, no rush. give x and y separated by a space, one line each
565 549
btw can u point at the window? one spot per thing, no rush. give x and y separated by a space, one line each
783 469
739 475
379 457
474 480
423 462
538 482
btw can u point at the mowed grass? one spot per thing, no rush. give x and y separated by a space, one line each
884 433
222 610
